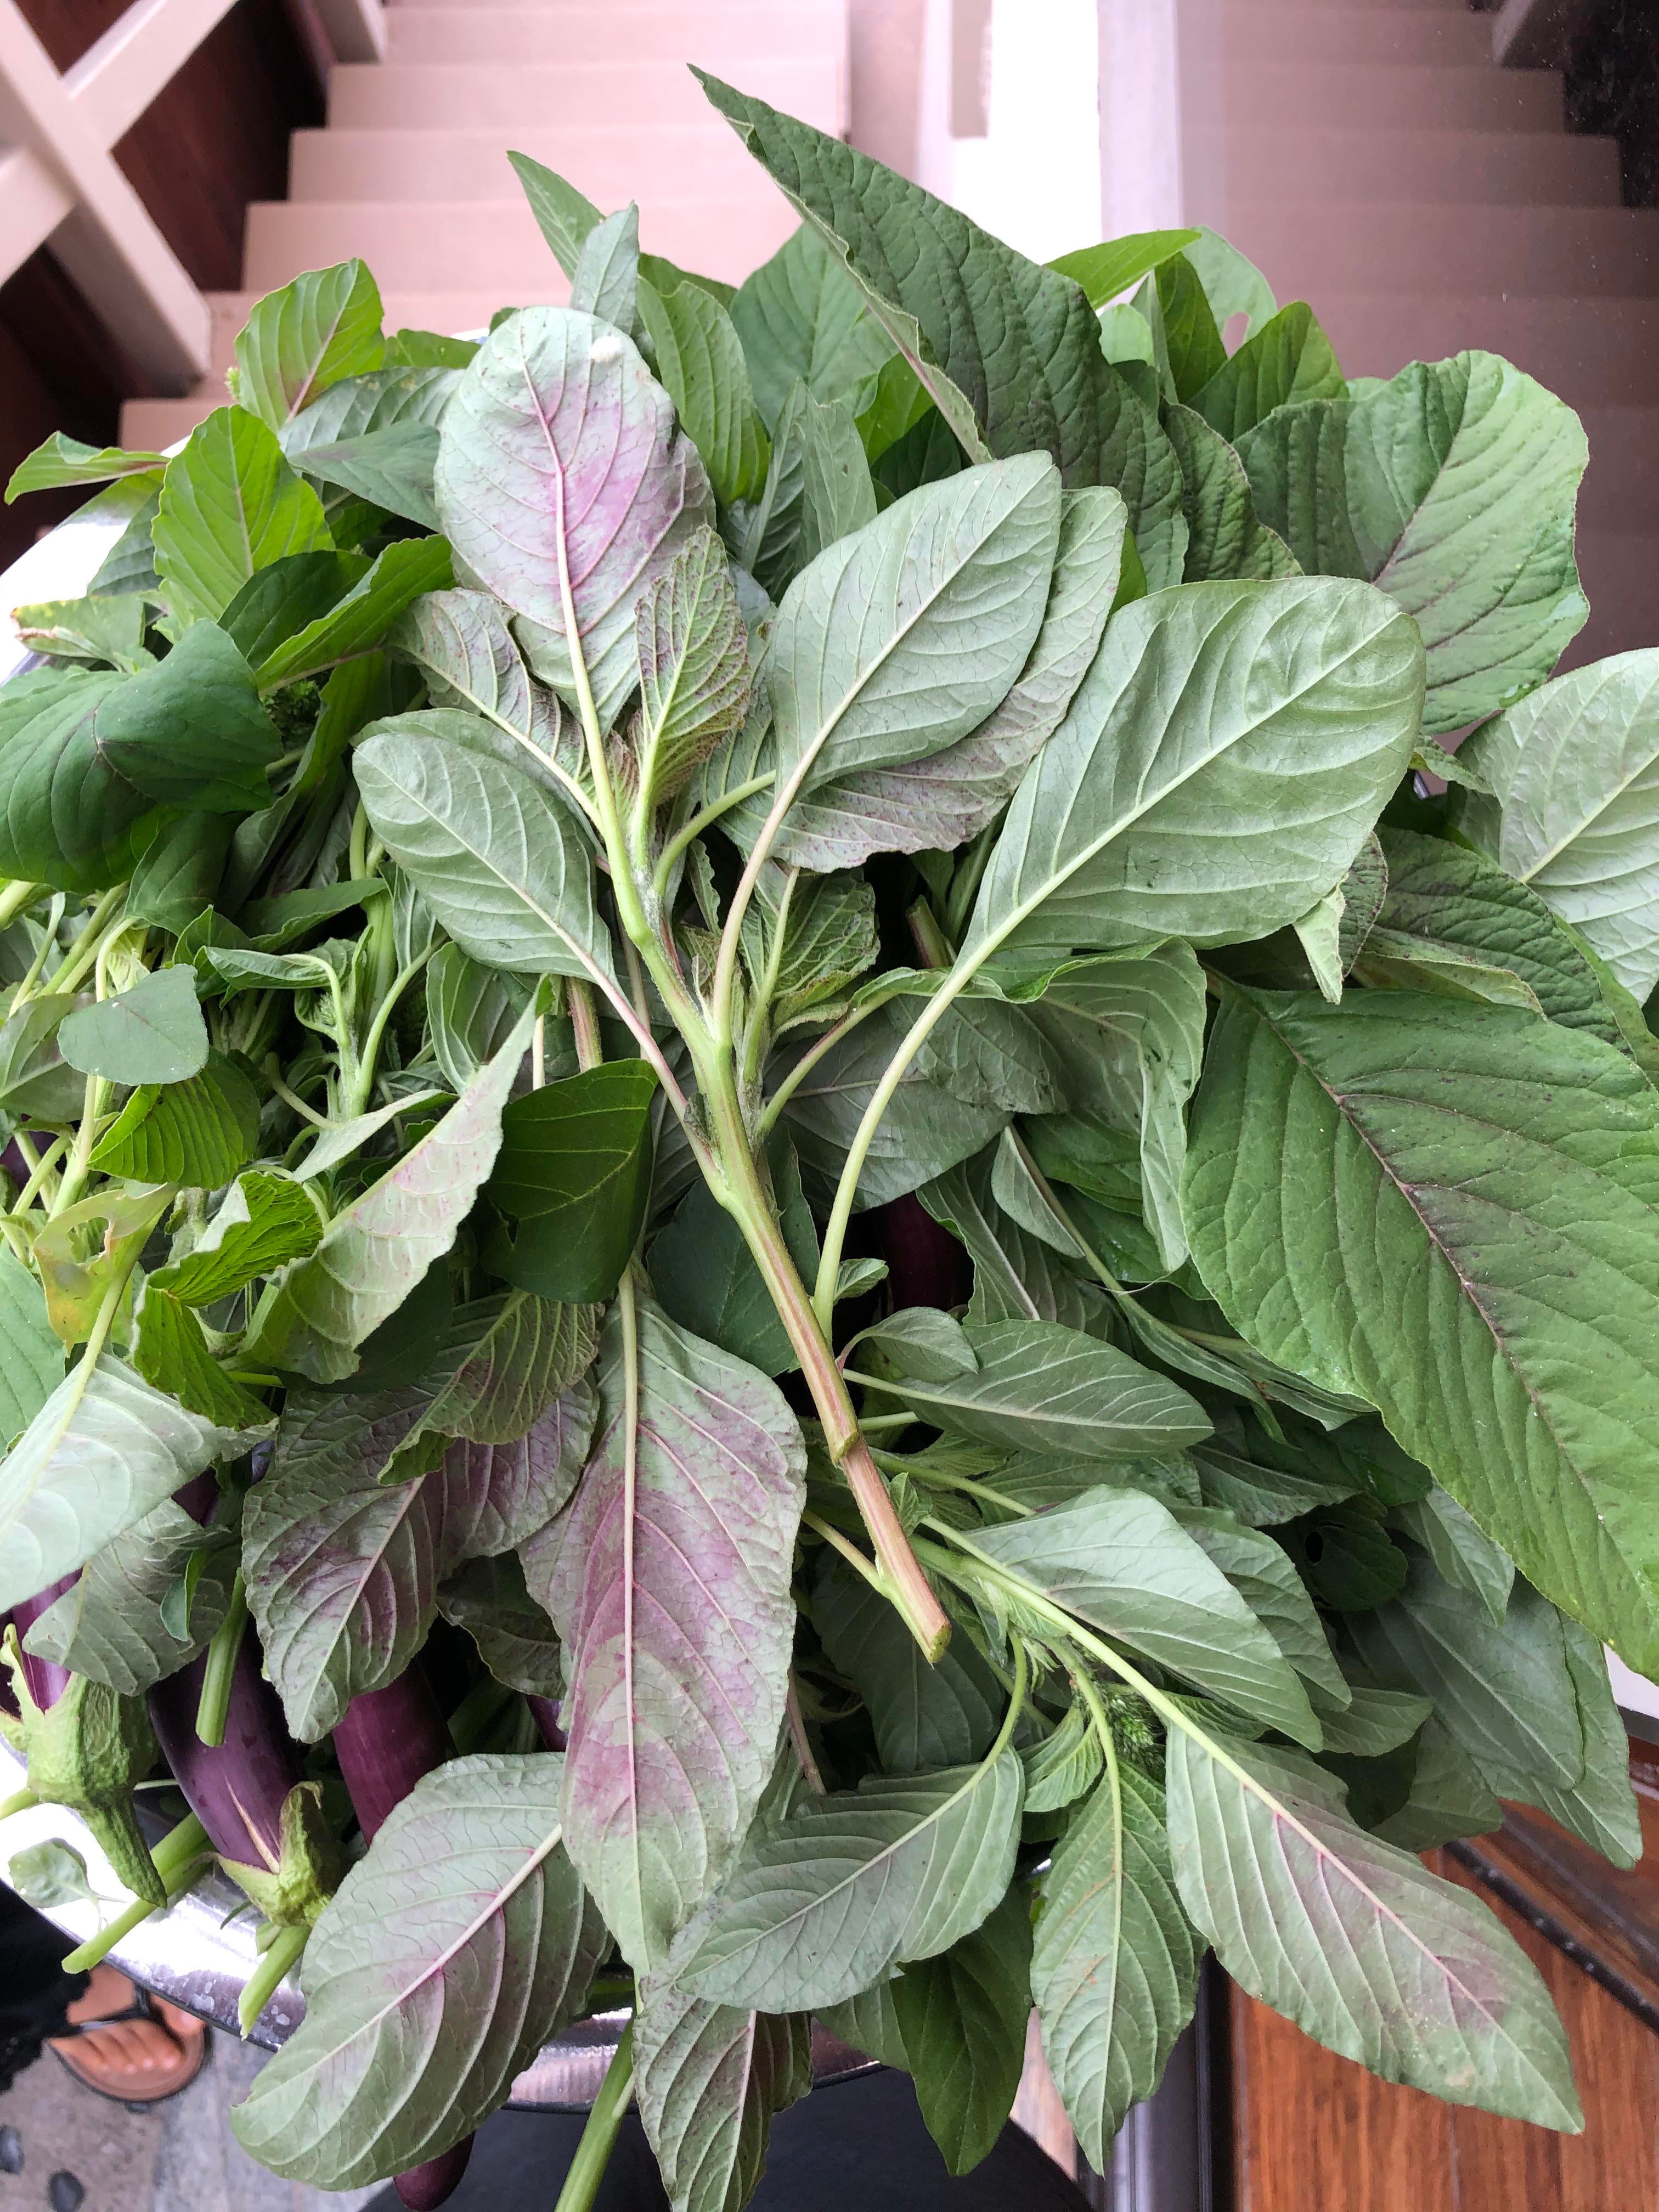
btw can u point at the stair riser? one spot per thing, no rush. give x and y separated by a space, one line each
1294 96
1596 352
642 97
1381 33
1515 169
612 168
494 248
724 44
1309 249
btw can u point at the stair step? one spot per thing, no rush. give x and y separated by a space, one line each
1596 352
1306 33
1526 168
495 246
639 97
1291 97
1619 573
1310 248
722 42
611 166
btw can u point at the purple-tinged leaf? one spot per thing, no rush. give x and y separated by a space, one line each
560 465
708 2079
450 1955
672 1593
1355 1939
343 1569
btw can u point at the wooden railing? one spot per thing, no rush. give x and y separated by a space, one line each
60 184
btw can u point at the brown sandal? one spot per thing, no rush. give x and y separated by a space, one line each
129 2047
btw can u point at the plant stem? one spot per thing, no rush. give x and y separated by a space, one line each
38 1174
176 1859
214 1702
21 1801
584 1023
262 1983
581 2183
14 899
695 828
364 1082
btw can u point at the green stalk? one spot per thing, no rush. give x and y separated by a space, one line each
176 1859
14 899
363 1082
42 1167
262 1983
581 2183
21 1801
694 829
214 1704
89 944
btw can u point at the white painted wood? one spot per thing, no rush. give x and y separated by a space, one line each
108 243
1141 116
32 202
116 78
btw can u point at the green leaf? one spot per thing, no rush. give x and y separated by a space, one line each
1191 343
265 1220
1462 1555
924 1131
1574 772
469 1012
708 2079
103 1451
708 1279
901 638
564 215
1129 1031
87 1251
362 619
1453 921
556 396
1504 1171
1159 808
122 1624
324 326
320 1309
178 876
278 602
1122 1562
505 1359
1448 1796
191 731
230 506
818 489
1223 538
1115 1968
943 1715
390 468
59 460
1060 1767
802 318
824 1903
808 937
513 1636
575 1174
694 667
153 1033
30 1354
605 281
1509 1696
448 1956
1010 352
1265 1576
199 1132
1107 271
67 815
962 2016
1383 487
1041 1388
169 1351
35 1079
671 1590
461 644
1289 360
700 359
49 1873
1018 1274
1232 283
948 796
498 859
1355 1941
102 627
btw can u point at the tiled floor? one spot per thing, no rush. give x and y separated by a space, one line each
181 2157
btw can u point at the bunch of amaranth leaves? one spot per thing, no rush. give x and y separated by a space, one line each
804 1219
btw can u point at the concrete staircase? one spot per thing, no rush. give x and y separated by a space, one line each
411 171
1378 163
